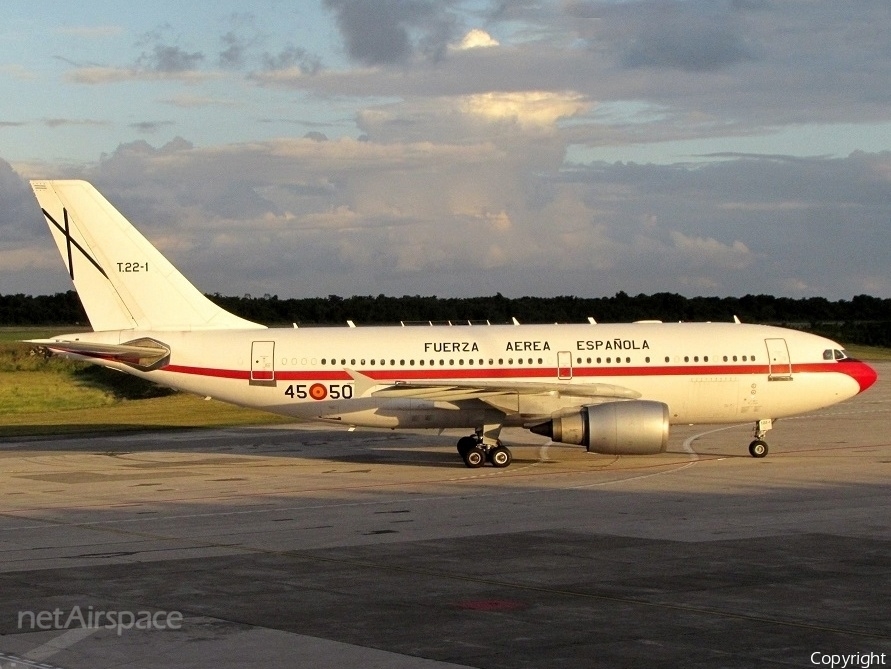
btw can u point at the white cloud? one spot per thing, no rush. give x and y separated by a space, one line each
115 75
706 251
527 108
475 39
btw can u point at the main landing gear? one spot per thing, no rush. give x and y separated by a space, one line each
758 448
482 447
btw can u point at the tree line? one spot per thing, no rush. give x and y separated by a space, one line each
860 320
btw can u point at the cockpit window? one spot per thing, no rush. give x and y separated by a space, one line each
830 354
827 354
840 355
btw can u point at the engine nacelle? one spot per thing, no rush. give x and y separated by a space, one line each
636 427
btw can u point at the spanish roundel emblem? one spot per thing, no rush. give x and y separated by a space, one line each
318 392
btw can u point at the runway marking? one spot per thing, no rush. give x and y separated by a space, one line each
634 478
688 442
60 643
18 662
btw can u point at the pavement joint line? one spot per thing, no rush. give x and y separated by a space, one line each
292 509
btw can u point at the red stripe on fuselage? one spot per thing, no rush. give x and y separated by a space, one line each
854 369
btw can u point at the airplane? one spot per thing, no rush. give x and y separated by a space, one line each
613 388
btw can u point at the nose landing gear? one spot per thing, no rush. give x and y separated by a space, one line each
758 448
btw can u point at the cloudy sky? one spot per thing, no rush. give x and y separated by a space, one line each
461 148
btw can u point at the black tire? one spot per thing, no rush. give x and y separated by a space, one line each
465 444
758 449
475 457
500 456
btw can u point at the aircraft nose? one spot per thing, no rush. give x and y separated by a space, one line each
862 373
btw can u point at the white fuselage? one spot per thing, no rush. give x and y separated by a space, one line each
703 372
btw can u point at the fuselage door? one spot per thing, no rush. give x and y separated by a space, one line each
263 362
564 365
778 360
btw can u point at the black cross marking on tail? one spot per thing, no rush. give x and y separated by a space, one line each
70 241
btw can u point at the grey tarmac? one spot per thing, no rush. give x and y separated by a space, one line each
315 546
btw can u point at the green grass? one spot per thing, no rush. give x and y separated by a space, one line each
868 353
14 334
176 411
41 391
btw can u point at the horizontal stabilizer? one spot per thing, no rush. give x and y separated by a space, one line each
144 354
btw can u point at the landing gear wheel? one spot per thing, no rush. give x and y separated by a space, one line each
500 456
475 457
465 444
758 449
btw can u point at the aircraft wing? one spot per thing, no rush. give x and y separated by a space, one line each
487 391
142 353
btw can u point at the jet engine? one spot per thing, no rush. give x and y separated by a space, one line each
636 427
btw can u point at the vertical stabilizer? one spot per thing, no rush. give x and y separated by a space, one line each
122 280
